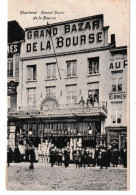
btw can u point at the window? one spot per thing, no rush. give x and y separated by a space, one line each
93 65
10 69
93 92
31 96
50 91
71 68
117 82
116 117
12 102
51 70
31 72
71 94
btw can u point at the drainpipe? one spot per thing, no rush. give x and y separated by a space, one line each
21 82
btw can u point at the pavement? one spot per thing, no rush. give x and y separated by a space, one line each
44 177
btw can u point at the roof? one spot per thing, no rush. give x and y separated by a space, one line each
119 50
15 32
55 116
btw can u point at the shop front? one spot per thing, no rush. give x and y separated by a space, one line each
63 126
117 136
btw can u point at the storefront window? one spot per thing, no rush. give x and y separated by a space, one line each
10 68
31 72
116 117
71 94
93 65
71 68
51 70
31 97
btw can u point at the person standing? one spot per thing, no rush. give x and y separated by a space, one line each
115 155
17 154
59 158
96 154
82 101
52 157
66 158
31 156
109 155
124 157
104 158
9 156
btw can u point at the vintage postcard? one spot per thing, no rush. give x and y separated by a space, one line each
68 95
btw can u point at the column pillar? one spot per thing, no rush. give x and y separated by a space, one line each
102 127
119 146
11 138
108 137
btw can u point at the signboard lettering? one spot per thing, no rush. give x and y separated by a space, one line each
69 41
118 65
117 96
13 48
64 37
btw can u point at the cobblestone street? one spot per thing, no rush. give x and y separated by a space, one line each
43 177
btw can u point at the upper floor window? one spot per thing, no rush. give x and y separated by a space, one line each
51 91
117 82
51 70
31 72
71 91
31 96
116 117
10 68
93 92
93 65
71 68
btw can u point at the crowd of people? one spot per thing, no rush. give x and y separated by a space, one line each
81 157
23 153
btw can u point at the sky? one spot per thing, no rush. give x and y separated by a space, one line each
116 13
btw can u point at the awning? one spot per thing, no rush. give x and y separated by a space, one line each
53 116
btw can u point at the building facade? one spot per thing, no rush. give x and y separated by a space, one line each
72 85
15 37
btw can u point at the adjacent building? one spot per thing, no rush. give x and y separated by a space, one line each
72 85
15 37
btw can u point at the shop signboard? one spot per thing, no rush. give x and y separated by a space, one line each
118 64
64 37
117 96
13 49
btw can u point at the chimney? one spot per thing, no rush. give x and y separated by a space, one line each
113 42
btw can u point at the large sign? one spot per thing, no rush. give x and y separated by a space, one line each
86 34
118 64
13 48
117 96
